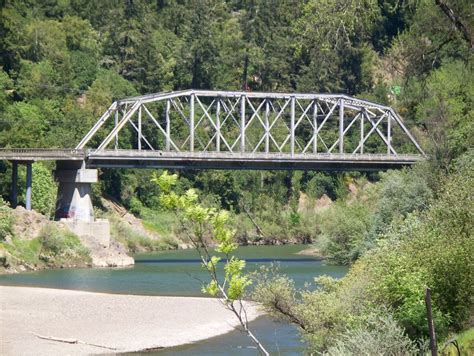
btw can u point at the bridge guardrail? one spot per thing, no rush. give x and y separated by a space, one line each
250 155
41 154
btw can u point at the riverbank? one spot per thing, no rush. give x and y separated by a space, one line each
105 323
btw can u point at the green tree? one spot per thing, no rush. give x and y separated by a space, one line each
331 50
200 223
432 248
43 190
446 110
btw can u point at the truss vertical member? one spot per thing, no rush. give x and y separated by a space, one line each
216 124
341 126
191 123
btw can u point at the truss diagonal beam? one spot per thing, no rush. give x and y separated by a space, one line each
277 122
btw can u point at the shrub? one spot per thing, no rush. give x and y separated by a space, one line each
400 193
43 190
61 246
136 242
433 248
343 230
6 220
380 335
320 184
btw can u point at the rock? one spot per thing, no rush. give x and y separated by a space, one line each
185 246
28 223
302 202
323 203
113 256
132 221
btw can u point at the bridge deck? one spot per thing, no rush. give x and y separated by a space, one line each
227 160
215 160
41 154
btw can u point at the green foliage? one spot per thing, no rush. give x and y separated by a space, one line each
6 220
24 252
43 190
381 335
320 184
353 224
200 224
59 246
400 193
54 247
344 227
138 242
465 342
447 110
23 121
432 248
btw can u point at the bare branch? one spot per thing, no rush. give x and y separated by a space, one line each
456 21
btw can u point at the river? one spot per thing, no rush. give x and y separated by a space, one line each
179 273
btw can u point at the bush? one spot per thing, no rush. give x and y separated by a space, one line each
433 248
43 190
344 227
61 246
400 193
6 220
320 184
381 335
135 242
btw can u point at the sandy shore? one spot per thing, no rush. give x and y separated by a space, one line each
118 323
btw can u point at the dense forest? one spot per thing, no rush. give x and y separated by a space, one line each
63 62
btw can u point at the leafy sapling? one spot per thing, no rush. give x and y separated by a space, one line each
199 224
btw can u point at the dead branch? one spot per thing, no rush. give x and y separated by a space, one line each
456 21
71 341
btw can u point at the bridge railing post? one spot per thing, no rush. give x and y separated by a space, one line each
140 128
341 126
218 125
267 126
389 133
168 125
116 120
191 123
315 127
292 126
361 142
242 123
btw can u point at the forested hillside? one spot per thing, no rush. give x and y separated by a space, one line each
63 62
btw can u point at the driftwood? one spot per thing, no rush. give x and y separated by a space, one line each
260 231
71 341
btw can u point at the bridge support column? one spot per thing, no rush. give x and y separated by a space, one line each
14 197
74 192
29 181
74 201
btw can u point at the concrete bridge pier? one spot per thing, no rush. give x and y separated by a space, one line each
74 201
29 182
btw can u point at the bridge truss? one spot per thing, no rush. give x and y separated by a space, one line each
203 125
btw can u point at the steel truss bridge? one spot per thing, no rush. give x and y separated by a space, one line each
202 129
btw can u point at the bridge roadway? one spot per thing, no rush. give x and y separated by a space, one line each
214 160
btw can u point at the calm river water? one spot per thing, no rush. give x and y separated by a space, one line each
179 273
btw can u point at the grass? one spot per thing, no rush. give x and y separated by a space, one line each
22 252
159 222
53 247
465 342
136 242
61 247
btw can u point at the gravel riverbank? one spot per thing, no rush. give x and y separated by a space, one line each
39 321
